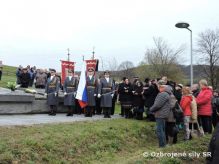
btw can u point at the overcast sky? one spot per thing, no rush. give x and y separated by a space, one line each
38 32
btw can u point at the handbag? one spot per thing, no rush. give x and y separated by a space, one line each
178 112
175 130
197 133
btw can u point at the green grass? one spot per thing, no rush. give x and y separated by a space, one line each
106 141
9 75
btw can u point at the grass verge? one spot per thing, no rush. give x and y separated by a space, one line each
106 141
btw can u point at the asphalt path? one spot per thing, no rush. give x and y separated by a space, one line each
32 119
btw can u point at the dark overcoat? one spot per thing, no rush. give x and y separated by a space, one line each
106 89
52 87
126 96
70 87
92 89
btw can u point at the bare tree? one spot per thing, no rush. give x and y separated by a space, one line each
112 64
102 63
163 60
126 69
208 48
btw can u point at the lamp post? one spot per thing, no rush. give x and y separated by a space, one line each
186 26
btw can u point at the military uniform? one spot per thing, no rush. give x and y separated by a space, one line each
70 88
92 89
52 89
106 90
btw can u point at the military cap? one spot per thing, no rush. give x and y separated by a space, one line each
90 69
107 71
52 70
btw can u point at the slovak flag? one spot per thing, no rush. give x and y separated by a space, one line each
82 92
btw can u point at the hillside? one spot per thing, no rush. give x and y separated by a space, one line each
197 72
9 75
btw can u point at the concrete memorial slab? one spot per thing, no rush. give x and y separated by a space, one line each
19 102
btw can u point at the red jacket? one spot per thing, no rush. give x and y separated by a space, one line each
204 102
185 103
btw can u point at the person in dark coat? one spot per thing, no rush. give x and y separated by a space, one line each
92 88
51 91
150 95
70 88
125 91
138 102
178 92
25 78
215 108
0 73
106 91
161 108
18 74
213 148
171 128
121 98
32 76
146 86
114 98
41 79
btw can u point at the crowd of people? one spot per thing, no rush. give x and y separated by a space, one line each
29 76
172 106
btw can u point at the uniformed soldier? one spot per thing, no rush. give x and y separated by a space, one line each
70 88
106 92
51 91
92 89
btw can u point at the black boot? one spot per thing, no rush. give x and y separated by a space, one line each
105 112
86 114
108 112
54 110
70 111
126 113
90 114
51 110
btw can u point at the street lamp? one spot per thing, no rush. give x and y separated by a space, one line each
186 26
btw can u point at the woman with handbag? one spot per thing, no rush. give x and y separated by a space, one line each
186 107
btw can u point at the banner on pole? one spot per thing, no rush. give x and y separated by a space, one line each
92 64
66 65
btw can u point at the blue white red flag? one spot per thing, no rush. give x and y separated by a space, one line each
82 91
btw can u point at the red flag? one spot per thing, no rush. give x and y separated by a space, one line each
66 65
91 64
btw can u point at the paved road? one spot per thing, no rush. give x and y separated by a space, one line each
31 119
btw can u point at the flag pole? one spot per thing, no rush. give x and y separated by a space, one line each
68 57
93 53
